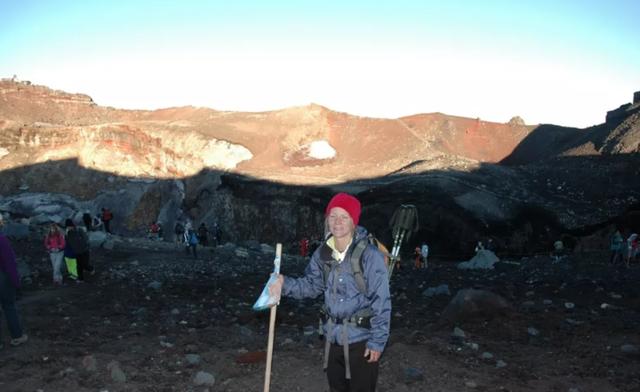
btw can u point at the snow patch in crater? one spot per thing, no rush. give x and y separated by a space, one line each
224 155
321 149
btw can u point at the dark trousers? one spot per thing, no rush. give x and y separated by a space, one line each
616 255
83 264
364 375
8 304
192 247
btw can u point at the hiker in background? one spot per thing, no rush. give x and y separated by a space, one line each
87 257
304 247
616 244
633 249
54 243
178 230
78 244
96 223
479 246
153 231
418 257
70 260
424 254
203 233
191 242
491 245
558 251
160 231
86 219
215 234
9 283
107 217
356 325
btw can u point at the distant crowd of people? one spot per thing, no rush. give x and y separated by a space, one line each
190 238
69 252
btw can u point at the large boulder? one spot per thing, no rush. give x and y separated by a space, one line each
97 238
484 259
473 303
16 231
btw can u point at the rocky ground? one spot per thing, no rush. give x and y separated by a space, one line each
154 319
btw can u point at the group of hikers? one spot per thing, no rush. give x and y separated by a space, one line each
622 250
190 238
70 245
101 221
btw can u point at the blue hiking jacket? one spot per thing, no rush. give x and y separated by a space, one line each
341 295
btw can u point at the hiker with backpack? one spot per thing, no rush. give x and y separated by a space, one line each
178 230
107 217
203 234
191 242
77 247
616 244
351 274
424 255
633 248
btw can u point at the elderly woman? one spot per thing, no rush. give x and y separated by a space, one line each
9 282
54 243
357 318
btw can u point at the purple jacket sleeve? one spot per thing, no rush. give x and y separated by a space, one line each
8 261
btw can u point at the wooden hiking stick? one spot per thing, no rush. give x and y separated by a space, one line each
272 326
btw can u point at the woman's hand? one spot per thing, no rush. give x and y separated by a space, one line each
373 355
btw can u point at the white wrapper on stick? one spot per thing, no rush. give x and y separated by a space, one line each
265 301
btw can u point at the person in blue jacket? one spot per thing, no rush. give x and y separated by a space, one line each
357 324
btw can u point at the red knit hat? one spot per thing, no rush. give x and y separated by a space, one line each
347 203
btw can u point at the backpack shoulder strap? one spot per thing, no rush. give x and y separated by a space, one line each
356 264
325 260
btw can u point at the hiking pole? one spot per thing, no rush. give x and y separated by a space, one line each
395 252
392 257
272 325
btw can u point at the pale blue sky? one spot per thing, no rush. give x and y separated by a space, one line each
561 62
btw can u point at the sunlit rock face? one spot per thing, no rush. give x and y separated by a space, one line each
121 149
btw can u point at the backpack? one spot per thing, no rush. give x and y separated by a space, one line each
356 261
193 238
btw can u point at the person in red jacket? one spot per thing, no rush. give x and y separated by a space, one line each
107 217
304 247
54 243
9 282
